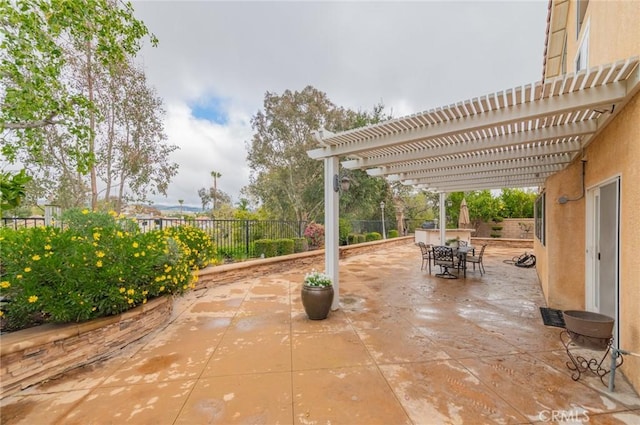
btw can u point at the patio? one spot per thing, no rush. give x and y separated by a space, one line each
405 347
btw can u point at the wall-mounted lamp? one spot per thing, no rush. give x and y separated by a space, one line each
341 184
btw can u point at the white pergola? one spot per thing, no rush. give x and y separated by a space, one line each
514 138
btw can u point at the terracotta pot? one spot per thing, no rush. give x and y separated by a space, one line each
316 301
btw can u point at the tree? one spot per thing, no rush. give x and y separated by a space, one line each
12 189
215 176
286 181
38 91
517 203
482 205
133 154
205 197
181 202
214 196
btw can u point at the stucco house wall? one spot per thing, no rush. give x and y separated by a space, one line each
614 34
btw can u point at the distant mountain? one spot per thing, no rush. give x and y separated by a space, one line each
177 208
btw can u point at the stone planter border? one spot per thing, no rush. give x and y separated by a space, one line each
37 354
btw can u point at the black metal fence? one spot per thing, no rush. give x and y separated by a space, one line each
233 238
18 223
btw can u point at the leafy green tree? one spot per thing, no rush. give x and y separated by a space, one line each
483 206
12 189
133 153
39 91
420 205
284 179
517 203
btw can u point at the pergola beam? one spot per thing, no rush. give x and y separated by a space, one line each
535 138
590 98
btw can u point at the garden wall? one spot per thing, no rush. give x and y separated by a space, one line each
36 354
510 228
304 261
525 244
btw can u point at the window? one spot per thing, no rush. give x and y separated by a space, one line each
582 57
539 217
581 9
564 54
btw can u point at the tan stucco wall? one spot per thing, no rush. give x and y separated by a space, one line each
620 145
561 263
566 239
614 34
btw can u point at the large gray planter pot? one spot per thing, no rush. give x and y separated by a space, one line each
316 301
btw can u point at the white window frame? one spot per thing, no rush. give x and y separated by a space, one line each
582 54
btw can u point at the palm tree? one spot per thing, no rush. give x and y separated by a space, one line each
215 176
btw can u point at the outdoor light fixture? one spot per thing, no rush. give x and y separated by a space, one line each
341 184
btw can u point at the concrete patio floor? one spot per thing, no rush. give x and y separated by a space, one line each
405 347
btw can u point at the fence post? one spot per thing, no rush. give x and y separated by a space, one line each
246 237
51 214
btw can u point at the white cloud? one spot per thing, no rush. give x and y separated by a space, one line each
411 56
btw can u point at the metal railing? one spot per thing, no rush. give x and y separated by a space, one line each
18 223
233 238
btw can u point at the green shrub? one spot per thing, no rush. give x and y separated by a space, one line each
393 233
237 253
362 238
373 236
352 238
495 235
284 246
93 268
300 245
266 248
344 229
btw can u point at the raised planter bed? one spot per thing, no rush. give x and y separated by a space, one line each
33 355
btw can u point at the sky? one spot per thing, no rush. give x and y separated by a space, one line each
216 60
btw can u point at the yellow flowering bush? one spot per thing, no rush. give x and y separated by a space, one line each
99 265
196 245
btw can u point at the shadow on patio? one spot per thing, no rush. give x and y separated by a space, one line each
405 347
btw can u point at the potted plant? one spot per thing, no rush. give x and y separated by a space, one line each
453 243
317 295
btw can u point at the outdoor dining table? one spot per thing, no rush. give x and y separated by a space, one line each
462 252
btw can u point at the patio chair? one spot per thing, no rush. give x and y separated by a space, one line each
443 256
427 255
477 259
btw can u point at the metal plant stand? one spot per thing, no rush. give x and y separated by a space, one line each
579 364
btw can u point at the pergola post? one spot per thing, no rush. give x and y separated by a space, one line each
331 234
443 219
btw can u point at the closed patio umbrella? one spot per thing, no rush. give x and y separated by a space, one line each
463 217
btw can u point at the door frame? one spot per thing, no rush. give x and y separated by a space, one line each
591 265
